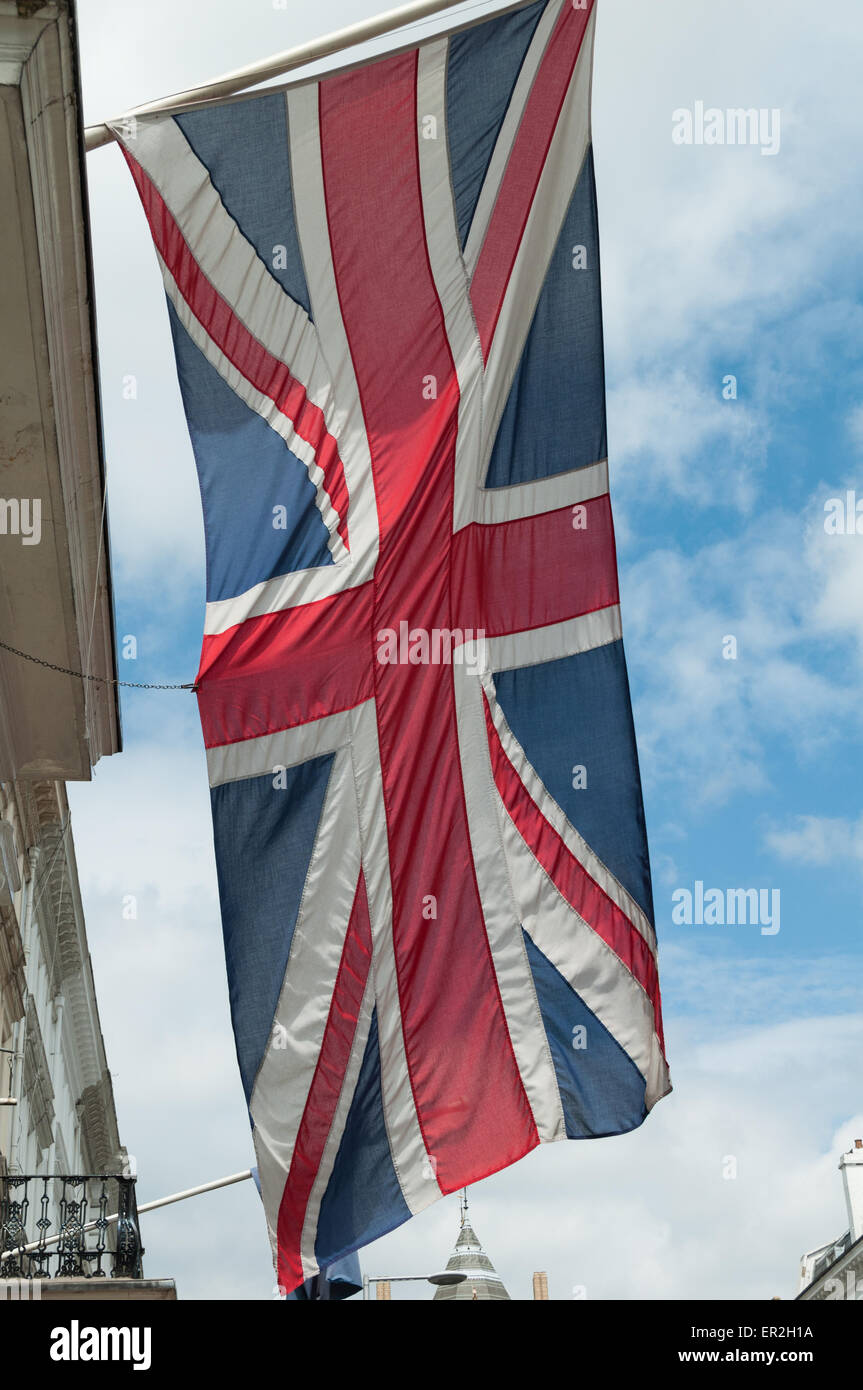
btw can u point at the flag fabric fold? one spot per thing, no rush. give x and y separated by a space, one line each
383 290
332 1283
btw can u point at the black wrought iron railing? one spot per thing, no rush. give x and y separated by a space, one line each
76 1227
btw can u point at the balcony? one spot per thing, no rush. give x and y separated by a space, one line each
56 1228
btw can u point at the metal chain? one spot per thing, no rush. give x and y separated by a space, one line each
101 680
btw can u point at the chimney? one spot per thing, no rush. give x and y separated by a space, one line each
540 1284
384 1290
851 1168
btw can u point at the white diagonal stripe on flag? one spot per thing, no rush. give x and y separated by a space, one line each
584 960
556 818
228 259
450 276
563 165
345 421
288 1066
263 406
501 913
508 131
337 1129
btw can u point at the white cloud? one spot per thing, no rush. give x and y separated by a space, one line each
659 424
854 424
703 720
149 812
819 840
708 251
727 991
836 565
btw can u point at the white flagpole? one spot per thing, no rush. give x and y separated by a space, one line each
193 1192
233 82
148 1206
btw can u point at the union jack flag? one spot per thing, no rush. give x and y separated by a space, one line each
384 294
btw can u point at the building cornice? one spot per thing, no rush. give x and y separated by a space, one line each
69 617
835 1276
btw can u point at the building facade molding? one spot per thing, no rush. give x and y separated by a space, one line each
44 951
52 416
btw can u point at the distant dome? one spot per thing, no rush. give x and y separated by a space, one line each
483 1281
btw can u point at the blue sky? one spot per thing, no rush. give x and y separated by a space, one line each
715 260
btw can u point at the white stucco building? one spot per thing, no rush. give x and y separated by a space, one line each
53 1064
835 1271
57 1114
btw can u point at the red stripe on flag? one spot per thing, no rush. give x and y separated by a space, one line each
524 169
325 1090
265 372
572 880
525 574
470 1099
288 668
